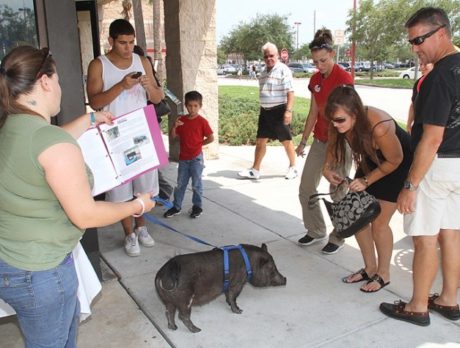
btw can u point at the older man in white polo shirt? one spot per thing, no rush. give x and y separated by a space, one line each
276 101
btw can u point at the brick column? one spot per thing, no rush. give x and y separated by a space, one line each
191 59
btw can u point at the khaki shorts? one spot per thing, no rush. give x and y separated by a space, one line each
438 200
147 182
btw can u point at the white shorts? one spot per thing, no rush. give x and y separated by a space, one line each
147 182
438 200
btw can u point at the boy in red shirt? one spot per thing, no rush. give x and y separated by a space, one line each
194 132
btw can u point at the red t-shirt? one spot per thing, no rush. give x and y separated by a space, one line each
191 135
321 88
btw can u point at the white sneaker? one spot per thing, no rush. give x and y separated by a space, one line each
132 245
144 237
250 173
291 174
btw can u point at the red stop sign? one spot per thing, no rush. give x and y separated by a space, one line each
284 54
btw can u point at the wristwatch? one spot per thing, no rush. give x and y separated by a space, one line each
409 186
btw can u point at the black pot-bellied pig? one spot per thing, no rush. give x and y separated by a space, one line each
198 278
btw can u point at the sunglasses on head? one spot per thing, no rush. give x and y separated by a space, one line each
46 54
338 120
320 47
417 41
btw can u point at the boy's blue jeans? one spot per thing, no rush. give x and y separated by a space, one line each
46 303
189 169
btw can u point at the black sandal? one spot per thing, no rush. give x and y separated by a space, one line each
378 279
361 272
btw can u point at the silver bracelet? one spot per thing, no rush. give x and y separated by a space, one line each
141 202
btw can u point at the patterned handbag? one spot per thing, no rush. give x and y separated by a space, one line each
352 213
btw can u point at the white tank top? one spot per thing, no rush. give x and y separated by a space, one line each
130 99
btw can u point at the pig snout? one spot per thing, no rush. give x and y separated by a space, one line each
278 279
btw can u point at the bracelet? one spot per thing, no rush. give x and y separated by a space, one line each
365 180
141 202
92 119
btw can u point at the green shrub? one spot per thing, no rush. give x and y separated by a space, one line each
239 113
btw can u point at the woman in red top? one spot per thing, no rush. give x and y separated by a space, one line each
322 83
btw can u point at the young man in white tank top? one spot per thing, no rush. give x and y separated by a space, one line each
114 85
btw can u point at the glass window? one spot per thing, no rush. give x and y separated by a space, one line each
17 25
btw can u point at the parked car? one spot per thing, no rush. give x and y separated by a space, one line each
309 68
302 67
345 65
359 66
220 70
388 66
296 67
409 73
229 69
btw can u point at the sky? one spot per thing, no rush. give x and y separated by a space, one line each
329 13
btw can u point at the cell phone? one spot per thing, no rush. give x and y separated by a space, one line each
136 75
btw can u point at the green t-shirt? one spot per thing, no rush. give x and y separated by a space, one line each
35 232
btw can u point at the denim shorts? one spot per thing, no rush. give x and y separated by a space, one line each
45 302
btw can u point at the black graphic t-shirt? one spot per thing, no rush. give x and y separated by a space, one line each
438 103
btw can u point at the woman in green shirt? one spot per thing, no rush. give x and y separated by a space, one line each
45 199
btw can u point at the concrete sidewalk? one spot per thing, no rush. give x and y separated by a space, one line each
314 309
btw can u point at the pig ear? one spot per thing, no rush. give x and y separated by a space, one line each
264 247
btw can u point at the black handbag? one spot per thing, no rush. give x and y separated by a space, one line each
352 213
162 108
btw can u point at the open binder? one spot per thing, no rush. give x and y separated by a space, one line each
121 152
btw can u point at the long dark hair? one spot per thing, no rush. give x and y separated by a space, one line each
19 71
347 98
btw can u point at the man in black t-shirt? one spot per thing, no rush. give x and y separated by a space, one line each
430 200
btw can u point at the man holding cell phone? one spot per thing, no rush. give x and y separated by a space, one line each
121 82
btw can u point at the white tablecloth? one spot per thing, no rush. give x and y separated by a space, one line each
88 285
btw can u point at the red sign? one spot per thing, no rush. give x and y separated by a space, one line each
284 55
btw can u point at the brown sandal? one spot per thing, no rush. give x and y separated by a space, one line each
361 272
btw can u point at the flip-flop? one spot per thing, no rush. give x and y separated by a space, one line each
378 279
361 272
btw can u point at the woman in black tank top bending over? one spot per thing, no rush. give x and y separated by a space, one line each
381 151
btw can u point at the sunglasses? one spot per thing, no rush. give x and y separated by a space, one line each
320 47
269 56
417 41
338 120
47 53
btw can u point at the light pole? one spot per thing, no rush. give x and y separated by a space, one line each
353 43
297 34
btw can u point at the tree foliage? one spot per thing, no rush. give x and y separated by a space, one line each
379 26
16 28
248 38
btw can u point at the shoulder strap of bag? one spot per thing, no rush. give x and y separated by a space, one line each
315 198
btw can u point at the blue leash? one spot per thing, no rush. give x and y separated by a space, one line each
155 220
167 204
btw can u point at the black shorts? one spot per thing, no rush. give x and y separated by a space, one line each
271 124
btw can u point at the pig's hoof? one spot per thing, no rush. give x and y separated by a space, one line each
194 329
237 310
172 326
